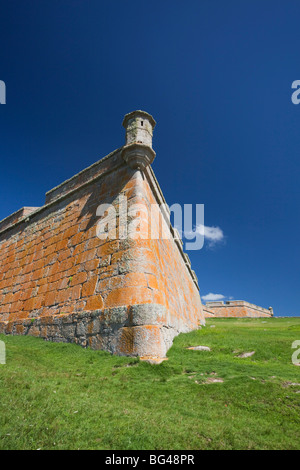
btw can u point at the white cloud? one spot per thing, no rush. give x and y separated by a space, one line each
212 297
212 235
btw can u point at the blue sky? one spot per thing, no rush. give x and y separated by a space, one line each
217 78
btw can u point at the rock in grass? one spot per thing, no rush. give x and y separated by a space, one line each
210 380
290 384
246 354
214 380
200 348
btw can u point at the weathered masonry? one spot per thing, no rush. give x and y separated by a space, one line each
235 308
126 295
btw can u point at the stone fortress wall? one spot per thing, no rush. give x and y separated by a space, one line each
235 308
59 281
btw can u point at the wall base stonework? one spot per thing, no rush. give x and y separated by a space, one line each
127 331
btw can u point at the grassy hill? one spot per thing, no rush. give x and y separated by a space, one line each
60 396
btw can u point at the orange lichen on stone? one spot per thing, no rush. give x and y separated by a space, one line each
58 280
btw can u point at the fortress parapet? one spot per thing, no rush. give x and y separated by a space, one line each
236 308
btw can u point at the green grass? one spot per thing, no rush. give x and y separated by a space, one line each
60 396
